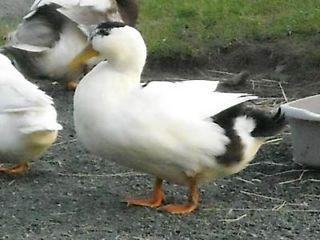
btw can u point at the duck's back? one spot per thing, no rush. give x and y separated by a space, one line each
24 109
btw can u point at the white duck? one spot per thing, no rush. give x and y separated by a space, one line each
28 121
55 31
182 132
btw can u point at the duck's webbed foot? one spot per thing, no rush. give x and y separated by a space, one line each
153 202
185 207
16 169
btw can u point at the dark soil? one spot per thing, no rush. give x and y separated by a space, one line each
293 60
70 194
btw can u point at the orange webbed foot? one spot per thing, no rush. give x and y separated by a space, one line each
186 207
148 202
180 208
17 169
154 201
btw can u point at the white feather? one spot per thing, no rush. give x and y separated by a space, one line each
22 102
193 98
64 3
30 48
98 5
29 14
89 13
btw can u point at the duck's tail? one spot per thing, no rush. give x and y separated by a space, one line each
266 125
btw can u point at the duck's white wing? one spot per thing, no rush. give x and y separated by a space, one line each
65 3
29 48
90 14
83 12
172 123
196 98
189 85
16 92
32 36
100 5
23 99
39 31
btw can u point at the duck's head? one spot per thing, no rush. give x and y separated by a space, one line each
121 45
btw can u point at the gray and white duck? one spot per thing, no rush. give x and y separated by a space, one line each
55 31
183 132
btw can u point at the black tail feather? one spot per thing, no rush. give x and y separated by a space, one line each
277 115
267 126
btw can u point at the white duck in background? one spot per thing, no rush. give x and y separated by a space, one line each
55 31
184 132
28 121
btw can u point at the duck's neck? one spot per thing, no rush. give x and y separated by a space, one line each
123 67
113 82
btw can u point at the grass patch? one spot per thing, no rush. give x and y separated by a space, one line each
188 28
192 30
6 25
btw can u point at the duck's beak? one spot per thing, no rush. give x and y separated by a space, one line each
82 57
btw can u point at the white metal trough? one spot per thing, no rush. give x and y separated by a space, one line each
304 120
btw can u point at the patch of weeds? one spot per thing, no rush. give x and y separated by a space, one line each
195 28
6 25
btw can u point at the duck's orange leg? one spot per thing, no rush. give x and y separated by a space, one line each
153 202
186 207
17 169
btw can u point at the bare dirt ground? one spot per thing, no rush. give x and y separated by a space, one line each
70 194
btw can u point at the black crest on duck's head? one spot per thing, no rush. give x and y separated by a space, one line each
104 29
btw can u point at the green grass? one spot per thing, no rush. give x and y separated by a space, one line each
6 25
189 28
183 28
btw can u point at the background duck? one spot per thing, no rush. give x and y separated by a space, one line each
183 132
28 121
55 31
